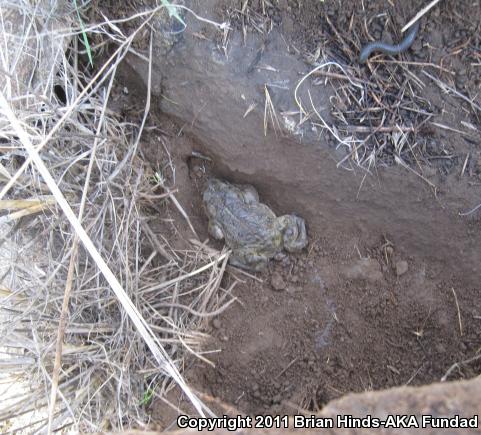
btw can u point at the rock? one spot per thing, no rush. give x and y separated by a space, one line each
365 268
277 282
461 397
401 267
216 324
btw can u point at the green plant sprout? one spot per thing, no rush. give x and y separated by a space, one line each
84 35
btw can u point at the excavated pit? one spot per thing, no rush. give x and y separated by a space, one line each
386 294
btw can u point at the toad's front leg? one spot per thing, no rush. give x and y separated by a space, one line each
215 231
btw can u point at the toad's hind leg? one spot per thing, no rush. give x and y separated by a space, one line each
246 259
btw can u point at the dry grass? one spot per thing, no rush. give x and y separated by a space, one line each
76 203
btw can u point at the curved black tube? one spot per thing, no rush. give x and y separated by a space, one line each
388 48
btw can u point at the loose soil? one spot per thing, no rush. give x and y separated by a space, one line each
358 310
346 315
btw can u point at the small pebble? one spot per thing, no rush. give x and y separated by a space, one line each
216 323
277 282
401 267
294 279
277 399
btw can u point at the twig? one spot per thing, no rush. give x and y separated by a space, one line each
187 275
381 129
156 243
414 63
446 88
400 162
459 312
465 164
198 313
423 11
470 211
447 127
414 374
458 365
286 368
180 208
60 335
341 77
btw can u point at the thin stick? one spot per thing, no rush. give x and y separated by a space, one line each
470 211
447 127
422 12
445 88
60 335
381 129
159 353
181 210
459 312
286 368
458 365
400 162
465 164
156 243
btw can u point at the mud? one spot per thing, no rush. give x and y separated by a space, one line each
387 292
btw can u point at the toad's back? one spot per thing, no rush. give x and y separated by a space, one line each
243 222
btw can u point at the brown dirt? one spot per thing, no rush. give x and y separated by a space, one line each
345 322
364 308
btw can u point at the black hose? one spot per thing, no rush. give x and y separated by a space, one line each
389 48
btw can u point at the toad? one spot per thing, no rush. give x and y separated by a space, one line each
250 229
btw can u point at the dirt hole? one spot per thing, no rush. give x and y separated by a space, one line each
353 312
364 307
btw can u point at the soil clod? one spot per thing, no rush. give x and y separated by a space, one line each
277 282
401 267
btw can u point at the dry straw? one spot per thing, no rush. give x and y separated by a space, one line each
97 313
